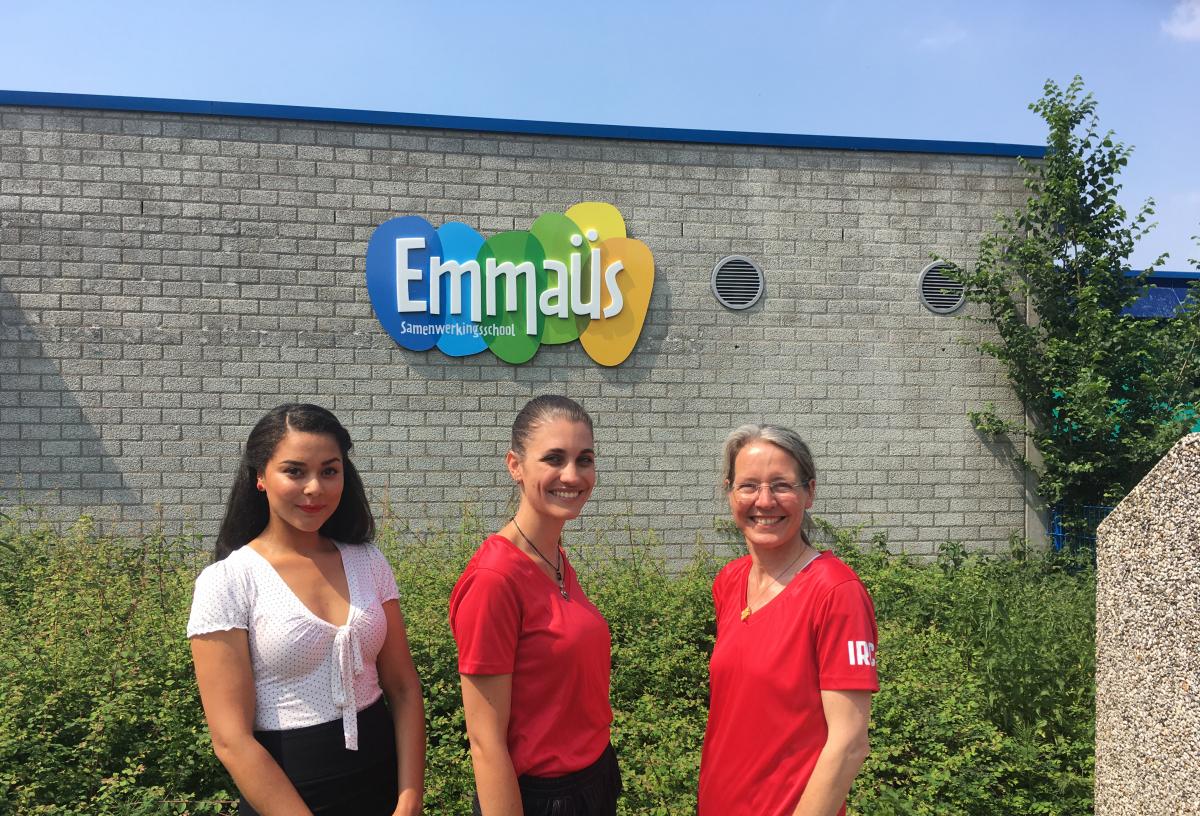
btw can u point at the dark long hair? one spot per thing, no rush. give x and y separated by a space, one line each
247 512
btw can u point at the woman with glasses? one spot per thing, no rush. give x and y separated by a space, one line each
793 667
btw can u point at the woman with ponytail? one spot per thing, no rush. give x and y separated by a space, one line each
533 652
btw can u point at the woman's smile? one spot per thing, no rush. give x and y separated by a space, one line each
557 469
773 515
303 480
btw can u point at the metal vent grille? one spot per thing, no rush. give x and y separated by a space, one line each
737 282
940 293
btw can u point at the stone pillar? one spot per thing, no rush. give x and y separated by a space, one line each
1148 643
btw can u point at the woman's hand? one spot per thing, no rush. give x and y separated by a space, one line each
847 713
487 699
226 683
400 684
409 804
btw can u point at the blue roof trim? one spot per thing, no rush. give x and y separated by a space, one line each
1160 275
520 126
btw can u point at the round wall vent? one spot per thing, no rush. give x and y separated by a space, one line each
940 293
737 282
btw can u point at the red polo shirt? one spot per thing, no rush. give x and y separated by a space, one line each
766 725
508 617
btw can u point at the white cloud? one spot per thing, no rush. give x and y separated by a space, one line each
944 35
1184 23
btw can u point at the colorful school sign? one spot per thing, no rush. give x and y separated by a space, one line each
572 276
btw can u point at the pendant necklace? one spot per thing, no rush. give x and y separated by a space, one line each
747 612
557 567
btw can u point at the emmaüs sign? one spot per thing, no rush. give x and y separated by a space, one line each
570 276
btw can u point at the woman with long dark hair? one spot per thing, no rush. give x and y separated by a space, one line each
533 652
301 656
793 667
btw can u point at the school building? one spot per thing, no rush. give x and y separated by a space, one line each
171 269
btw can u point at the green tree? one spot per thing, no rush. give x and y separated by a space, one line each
1106 394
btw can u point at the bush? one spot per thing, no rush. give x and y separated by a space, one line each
98 705
986 668
987 700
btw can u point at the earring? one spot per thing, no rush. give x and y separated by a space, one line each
262 487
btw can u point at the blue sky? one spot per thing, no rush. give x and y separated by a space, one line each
917 69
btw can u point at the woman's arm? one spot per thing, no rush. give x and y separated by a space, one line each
847 714
486 702
226 684
400 684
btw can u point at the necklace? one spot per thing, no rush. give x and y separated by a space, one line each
747 612
557 567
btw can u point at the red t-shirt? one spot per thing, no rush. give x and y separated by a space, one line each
766 726
508 617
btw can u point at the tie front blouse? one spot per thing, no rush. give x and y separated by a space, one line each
307 670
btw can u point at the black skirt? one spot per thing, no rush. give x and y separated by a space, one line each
331 780
592 791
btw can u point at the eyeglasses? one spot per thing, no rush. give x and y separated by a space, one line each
779 489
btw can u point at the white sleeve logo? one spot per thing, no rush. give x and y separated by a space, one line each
862 652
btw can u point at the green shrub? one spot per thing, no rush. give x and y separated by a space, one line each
1017 650
662 632
932 749
98 707
426 568
986 668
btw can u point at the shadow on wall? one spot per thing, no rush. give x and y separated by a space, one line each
52 459
1008 451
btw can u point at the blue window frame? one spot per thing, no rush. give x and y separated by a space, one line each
1165 295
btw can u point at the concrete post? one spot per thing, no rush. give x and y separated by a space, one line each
1148 643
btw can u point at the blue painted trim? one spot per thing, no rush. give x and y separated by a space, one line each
521 126
1162 275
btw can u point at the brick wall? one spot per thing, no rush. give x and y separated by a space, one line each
166 278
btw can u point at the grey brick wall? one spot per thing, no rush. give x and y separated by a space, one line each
165 278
